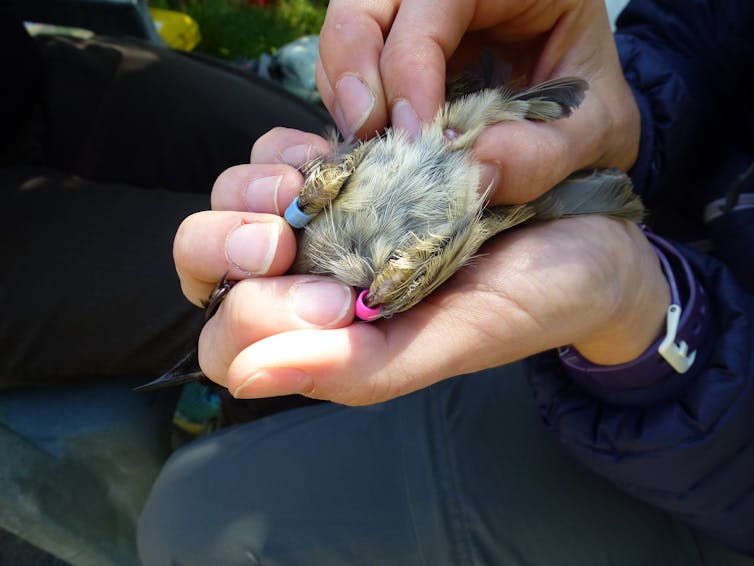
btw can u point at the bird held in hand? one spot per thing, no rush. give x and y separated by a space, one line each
395 217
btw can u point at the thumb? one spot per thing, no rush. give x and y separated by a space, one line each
523 160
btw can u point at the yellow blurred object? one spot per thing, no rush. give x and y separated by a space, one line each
178 30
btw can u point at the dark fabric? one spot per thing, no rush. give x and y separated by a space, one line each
157 117
22 76
691 452
89 279
690 65
459 473
121 142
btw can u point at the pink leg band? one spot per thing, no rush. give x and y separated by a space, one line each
364 312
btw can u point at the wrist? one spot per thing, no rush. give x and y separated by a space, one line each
688 321
637 318
626 128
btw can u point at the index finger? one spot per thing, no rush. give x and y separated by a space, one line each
350 45
413 63
363 77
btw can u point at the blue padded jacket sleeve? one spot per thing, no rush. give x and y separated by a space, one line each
688 450
691 454
689 65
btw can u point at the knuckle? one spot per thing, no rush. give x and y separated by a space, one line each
234 313
211 361
269 144
268 138
183 235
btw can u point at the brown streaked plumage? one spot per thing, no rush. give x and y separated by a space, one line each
407 214
399 217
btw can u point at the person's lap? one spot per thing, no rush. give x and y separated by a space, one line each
460 473
130 112
125 143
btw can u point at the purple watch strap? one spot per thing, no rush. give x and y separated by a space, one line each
687 293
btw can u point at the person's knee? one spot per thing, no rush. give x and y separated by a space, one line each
160 525
175 525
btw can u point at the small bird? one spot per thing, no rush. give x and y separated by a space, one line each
395 217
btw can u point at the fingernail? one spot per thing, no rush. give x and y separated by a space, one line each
353 104
321 303
297 155
251 247
272 383
261 195
489 176
405 118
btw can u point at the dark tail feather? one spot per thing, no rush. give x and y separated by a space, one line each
566 93
602 191
488 71
185 371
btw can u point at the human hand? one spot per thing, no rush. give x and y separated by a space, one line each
387 60
591 281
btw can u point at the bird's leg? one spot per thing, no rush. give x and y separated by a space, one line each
217 296
324 180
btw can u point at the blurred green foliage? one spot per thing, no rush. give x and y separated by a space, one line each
236 28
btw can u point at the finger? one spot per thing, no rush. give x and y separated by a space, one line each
528 296
211 244
258 308
265 188
350 44
356 365
326 92
367 363
525 159
424 35
289 146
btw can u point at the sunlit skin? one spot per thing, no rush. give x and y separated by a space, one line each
404 51
593 282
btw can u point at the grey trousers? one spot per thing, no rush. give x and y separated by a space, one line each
460 473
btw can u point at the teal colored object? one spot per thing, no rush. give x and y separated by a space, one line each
198 411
